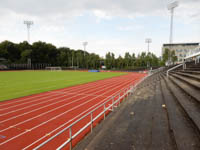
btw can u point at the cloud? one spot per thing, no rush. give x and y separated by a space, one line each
102 9
67 22
130 28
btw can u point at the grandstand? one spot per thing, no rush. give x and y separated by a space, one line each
162 114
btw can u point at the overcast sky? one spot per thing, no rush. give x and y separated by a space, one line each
107 25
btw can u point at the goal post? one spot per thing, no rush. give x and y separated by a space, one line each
54 68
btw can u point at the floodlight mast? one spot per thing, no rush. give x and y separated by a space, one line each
171 7
28 24
148 41
84 46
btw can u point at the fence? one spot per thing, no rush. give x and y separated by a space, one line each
36 66
156 70
105 108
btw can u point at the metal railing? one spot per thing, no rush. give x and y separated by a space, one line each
173 69
111 104
156 70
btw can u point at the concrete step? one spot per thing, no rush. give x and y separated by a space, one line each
191 91
192 69
191 82
195 77
190 106
185 135
190 72
161 135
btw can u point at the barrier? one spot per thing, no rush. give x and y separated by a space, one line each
112 104
93 71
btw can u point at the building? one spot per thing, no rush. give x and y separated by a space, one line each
181 49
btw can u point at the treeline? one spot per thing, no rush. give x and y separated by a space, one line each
41 52
130 61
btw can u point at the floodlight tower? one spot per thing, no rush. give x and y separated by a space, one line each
28 24
84 46
148 41
171 8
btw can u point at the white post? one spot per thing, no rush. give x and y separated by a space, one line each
91 121
70 136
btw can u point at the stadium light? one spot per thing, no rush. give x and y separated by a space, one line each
148 41
171 8
28 24
84 46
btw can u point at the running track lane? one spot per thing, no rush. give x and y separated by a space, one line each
26 127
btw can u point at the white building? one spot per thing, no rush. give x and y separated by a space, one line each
181 49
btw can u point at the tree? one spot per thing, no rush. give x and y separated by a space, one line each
127 59
173 57
9 51
41 52
25 55
165 55
108 60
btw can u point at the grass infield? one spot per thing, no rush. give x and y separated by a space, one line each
22 83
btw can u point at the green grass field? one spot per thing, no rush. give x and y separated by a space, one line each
23 83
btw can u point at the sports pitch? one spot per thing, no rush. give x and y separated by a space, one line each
22 83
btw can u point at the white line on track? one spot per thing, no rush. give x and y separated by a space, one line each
53 110
56 117
50 133
49 94
46 93
66 99
51 99
79 115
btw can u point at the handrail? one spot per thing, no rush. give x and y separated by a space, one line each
156 70
126 91
173 69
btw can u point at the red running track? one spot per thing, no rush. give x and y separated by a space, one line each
29 121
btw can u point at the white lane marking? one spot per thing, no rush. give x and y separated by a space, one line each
68 98
40 102
50 133
50 111
50 92
55 117
79 115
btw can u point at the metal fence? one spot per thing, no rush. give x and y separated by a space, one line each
107 106
35 66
